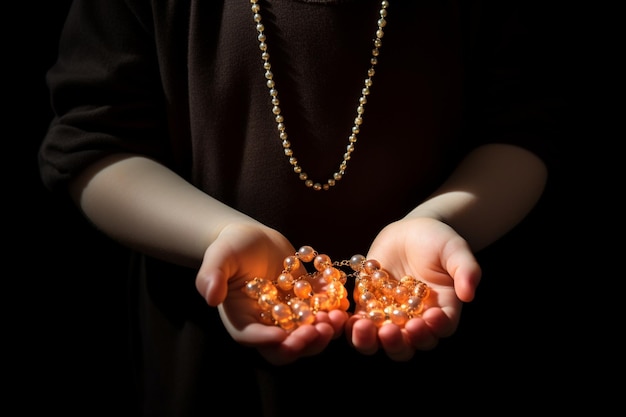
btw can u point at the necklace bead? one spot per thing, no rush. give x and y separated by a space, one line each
360 110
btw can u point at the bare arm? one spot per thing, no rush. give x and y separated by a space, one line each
148 207
492 190
489 193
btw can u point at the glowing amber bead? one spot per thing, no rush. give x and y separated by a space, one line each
388 288
306 253
331 274
302 313
285 281
269 289
374 304
366 297
333 303
362 285
414 305
378 278
398 316
384 299
343 278
421 290
356 262
267 301
303 289
297 304
291 262
281 312
343 291
371 265
377 316
419 310
408 281
337 289
322 262
401 294
320 302
256 286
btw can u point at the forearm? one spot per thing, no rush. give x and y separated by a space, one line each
490 192
145 206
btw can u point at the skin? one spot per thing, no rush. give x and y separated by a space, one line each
145 206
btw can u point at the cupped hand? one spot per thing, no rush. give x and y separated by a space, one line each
434 253
240 253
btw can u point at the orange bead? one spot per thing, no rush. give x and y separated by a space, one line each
306 253
408 281
322 262
377 316
388 288
337 289
281 312
421 290
401 294
378 278
371 265
302 312
285 281
303 289
291 262
267 301
256 286
414 305
356 262
374 305
320 302
362 285
365 298
398 317
331 274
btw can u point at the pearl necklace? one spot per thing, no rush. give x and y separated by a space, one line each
280 121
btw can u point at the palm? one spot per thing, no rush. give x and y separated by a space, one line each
433 253
240 254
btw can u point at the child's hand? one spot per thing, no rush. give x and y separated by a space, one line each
435 254
241 253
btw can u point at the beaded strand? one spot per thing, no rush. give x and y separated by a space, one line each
289 301
280 120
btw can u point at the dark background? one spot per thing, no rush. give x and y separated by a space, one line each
65 327
64 305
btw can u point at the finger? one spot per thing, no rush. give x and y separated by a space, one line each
250 332
394 343
466 273
325 333
212 285
212 277
306 340
337 319
439 323
364 336
419 335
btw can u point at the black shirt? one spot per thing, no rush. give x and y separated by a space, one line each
182 82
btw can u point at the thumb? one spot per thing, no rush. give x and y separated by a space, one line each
466 273
212 285
212 277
